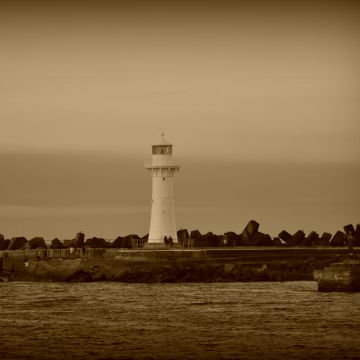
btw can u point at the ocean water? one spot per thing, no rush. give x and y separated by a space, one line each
289 320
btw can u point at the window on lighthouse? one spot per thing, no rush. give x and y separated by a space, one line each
162 150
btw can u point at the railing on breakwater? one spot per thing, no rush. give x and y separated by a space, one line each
67 253
85 253
82 253
70 252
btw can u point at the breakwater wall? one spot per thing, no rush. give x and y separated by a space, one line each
175 265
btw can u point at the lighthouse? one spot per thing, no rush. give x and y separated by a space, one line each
162 168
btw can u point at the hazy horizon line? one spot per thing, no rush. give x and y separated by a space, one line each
189 158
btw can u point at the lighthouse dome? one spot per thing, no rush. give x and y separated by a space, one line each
163 147
163 141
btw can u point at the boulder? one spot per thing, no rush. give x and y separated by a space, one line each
132 240
119 243
68 243
220 240
132 236
37 243
313 236
195 234
232 239
349 235
6 244
279 242
250 229
357 236
79 240
284 235
57 244
217 240
338 239
324 240
297 239
17 243
183 234
201 240
326 237
95 242
261 239
2 242
126 242
207 240
196 242
349 229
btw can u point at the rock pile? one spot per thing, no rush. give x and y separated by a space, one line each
250 236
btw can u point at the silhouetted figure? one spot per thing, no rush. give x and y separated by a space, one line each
170 241
166 241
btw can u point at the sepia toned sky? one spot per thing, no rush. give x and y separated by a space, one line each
272 86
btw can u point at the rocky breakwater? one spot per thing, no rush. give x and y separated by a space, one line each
176 265
249 256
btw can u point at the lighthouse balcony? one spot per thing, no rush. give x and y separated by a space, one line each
162 163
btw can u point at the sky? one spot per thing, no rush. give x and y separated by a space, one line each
261 102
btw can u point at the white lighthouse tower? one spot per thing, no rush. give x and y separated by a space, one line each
163 169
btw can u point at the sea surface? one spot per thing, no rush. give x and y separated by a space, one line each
289 320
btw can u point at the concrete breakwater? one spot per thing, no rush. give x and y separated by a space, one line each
248 256
176 265
341 276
